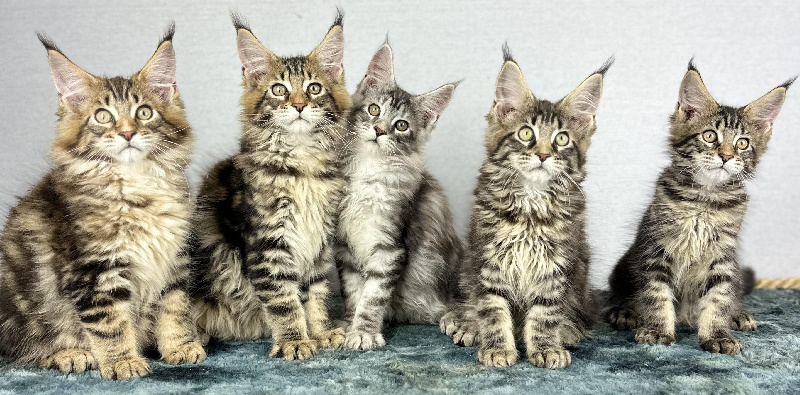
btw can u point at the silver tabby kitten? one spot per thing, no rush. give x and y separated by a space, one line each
398 246
525 271
682 266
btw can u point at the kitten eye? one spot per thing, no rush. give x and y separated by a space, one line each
278 90
742 143
315 89
710 136
401 125
525 134
144 113
103 116
562 139
374 110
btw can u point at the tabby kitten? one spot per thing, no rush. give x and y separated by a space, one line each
682 266
398 247
265 217
94 262
525 272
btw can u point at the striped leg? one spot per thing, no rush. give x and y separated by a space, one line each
352 283
656 308
715 309
316 306
382 272
176 334
497 345
543 324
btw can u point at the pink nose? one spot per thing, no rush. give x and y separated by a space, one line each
379 131
542 157
299 106
127 135
725 157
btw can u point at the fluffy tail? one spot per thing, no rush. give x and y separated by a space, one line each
748 280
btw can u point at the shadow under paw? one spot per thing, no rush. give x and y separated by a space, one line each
622 319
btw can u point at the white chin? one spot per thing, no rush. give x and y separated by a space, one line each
130 154
538 177
298 125
712 177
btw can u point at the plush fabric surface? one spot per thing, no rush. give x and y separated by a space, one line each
418 358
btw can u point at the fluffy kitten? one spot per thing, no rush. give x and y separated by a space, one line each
682 266
525 272
398 246
265 217
94 262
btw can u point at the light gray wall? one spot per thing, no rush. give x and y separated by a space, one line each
743 49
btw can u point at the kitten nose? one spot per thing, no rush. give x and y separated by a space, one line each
542 157
299 106
127 135
725 157
379 132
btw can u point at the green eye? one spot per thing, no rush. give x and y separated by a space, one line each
562 139
374 110
710 136
103 116
315 89
742 143
401 125
525 134
144 113
278 90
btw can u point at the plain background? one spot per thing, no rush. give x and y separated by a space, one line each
743 49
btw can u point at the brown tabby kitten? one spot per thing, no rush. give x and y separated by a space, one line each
94 263
682 267
265 217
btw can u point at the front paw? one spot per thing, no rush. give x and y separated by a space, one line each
622 319
294 349
498 357
191 352
551 358
467 334
449 323
722 345
72 360
743 321
124 370
331 339
359 340
651 336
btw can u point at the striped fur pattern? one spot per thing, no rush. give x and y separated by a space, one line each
525 270
682 266
265 217
94 257
398 248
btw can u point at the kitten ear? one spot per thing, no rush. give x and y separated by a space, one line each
511 91
763 111
433 103
330 52
254 56
694 97
582 102
380 71
72 83
160 71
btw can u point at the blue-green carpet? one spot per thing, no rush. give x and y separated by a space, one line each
418 358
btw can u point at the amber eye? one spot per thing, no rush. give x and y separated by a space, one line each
742 143
525 134
144 113
315 89
103 116
710 136
278 90
374 110
401 125
562 139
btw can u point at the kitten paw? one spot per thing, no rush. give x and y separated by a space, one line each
71 360
124 370
358 340
191 352
467 334
330 339
722 345
743 321
622 319
552 358
497 357
294 349
449 323
650 336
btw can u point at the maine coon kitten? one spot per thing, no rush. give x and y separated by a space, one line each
94 262
525 271
265 217
682 266
398 247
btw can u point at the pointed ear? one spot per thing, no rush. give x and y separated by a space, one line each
254 56
433 103
511 91
329 54
763 111
582 102
72 83
694 98
160 71
380 71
